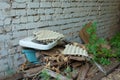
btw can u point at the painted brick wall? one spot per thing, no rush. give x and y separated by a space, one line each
19 18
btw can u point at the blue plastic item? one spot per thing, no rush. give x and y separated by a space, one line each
30 55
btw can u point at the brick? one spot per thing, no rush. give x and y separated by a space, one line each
23 19
54 28
12 12
36 0
15 42
56 4
59 16
21 1
3 64
17 27
1 45
1 23
19 34
20 59
30 32
58 22
32 25
30 18
4 37
33 5
72 10
4 5
31 12
49 11
45 4
1 30
7 21
2 15
67 16
41 11
18 5
58 10
11 51
66 4
36 18
74 4
7 28
42 24
21 12
16 20
19 48
42 17
48 17
10 61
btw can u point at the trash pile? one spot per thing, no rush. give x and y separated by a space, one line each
54 65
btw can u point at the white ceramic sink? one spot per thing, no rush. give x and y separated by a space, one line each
29 42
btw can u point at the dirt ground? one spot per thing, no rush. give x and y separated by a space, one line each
115 75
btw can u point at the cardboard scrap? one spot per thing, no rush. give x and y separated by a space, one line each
83 34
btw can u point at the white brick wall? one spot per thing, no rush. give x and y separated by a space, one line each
19 18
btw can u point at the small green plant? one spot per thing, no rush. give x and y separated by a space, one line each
44 75
68 71
58 77
100 54
115 43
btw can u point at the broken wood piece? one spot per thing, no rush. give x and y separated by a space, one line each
57 64
78 58
76 64
92 72
55 69
74 74
32 71
83 34
83 72
56 75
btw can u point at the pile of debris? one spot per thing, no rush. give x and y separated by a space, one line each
60 66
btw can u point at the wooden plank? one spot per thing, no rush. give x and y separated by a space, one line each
83 72
56 75
77 58
76 64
